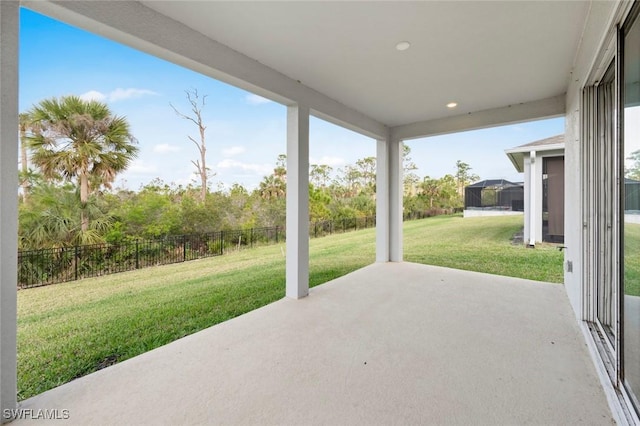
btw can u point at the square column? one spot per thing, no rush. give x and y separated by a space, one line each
382 201
527 236
537 180
396 191
9 11
297 275
533 198
389 191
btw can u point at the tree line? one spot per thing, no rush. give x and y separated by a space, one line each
73 149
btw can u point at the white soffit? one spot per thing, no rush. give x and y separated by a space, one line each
482 55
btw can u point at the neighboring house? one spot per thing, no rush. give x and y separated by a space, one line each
542 163
493 197
631 201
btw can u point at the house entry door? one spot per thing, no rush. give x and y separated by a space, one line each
553 170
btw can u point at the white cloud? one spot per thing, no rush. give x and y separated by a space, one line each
234 150
249 167
165 147
122 94
253 99
329 161
116 95
142 167
93 95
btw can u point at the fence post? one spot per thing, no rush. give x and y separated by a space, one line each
221 242
315 229
184 248
76 262
137 255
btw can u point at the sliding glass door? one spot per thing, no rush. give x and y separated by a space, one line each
631 216
600 212
606 201
611 210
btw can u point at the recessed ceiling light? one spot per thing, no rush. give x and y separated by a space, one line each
452 104
403 45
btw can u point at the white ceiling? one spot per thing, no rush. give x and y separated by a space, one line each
482 55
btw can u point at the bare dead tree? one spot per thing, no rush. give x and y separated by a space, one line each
197 104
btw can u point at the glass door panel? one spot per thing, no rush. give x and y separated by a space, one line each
604 219
631 232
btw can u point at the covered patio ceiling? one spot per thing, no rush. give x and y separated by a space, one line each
340 58
480 54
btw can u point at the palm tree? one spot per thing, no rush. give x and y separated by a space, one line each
272 187
49 221
431 189
82 142
25 126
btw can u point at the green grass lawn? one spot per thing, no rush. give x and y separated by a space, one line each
69 330
481 244
632 259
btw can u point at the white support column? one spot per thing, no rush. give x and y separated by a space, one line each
527 199
8 202
395 201
534 206
537 179
389 191
382 201
297 274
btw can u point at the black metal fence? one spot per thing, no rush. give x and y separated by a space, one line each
51 266
56 265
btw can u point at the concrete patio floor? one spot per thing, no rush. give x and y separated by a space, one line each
395 343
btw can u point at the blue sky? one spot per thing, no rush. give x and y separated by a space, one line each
245 133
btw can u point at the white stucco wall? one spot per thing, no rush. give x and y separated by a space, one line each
600 21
